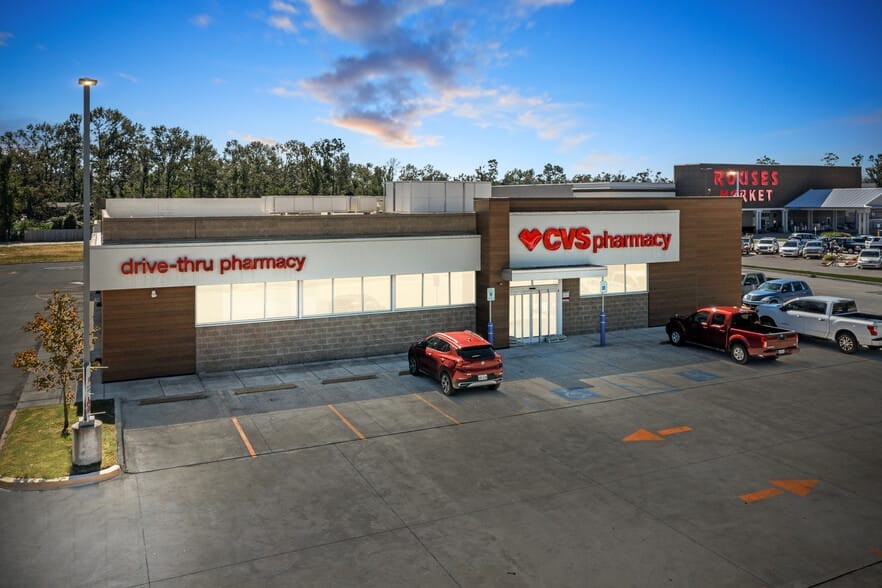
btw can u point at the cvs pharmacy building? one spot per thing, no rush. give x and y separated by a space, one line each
185 286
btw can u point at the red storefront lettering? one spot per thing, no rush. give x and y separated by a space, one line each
555 238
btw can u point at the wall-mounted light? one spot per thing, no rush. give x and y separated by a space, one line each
152 293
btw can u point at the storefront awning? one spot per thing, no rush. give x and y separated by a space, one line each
554 273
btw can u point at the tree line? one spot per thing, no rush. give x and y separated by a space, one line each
41 169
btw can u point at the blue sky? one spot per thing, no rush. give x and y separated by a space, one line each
591 86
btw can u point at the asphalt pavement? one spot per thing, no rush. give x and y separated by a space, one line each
631 464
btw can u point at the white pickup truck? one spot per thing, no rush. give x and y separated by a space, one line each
826 317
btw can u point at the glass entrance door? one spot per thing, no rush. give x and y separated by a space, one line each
534 313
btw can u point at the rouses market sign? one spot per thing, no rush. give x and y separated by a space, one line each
593 238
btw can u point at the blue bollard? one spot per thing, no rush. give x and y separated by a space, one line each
490 333
602 329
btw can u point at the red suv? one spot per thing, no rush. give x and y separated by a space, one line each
459 359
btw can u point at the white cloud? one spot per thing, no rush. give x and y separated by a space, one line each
4 38
282 22
249 138
128 77
280 6
200 20
410 64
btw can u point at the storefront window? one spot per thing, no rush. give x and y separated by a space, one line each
408 291
213 304
377 293
274 300
347 295
281 299
247 301
316 297
620 279
436 289
462 288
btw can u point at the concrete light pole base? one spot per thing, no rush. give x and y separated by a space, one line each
86 442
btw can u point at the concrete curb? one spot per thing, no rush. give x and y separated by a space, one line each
55 483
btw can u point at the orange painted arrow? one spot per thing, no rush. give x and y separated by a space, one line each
643 435
798 487
674 431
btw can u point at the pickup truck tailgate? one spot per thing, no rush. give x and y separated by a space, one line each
781 340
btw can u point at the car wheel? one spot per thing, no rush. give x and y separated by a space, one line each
847 343
676 337
412 365
446 384
768 321
739 353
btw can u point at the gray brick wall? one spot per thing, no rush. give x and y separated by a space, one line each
623 311
248 345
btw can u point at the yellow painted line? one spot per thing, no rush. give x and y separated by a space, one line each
346 422
438 410
798 487
875 551
674 430
244 437
760 495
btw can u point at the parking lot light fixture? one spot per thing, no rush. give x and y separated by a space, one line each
86 83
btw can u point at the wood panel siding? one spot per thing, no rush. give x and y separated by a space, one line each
144 337
493 225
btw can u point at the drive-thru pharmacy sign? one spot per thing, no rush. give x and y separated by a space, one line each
593 238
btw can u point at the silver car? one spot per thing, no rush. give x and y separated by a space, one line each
870 258
791 248
776 292
814 249
766 245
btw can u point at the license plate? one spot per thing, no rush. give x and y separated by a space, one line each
482 377
782 352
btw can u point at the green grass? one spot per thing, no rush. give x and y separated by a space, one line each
856 277
35 447
41 253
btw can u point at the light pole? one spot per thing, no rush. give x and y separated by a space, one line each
86 433
87 83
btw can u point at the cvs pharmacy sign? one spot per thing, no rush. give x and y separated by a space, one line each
593 238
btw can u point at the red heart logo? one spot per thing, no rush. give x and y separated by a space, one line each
530 238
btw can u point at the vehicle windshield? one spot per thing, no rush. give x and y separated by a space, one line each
476 353
791 244
870 253
814 244
770 286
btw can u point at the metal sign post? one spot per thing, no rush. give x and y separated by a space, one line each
491 296
602 312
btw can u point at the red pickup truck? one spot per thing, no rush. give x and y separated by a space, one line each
732 329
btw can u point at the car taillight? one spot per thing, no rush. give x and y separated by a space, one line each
873 330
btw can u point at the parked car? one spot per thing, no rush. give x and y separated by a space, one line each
766 245
734 330
776 292
827 317
791 248
458 359
815 249
851 245
870 258
751 280
803 236
873 243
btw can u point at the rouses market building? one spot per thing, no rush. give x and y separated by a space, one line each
183 286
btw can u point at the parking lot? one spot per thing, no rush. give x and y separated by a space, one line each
636 463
